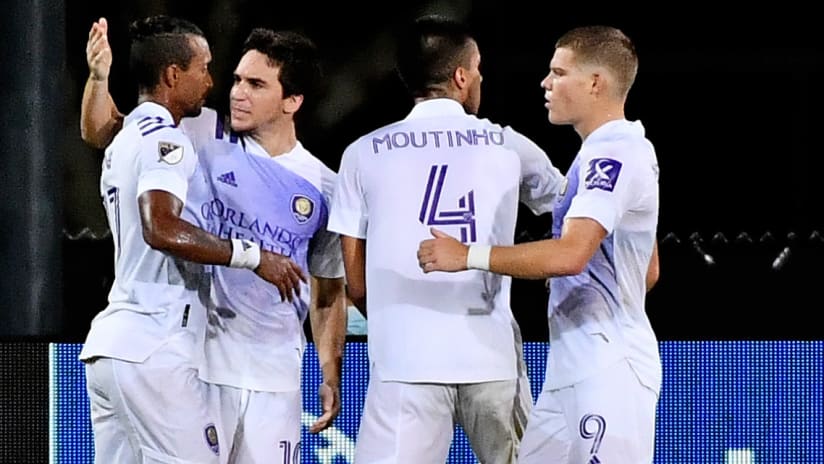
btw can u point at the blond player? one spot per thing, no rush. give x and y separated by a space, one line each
603 375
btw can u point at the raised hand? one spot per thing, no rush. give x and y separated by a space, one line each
282 272
98 51
442 253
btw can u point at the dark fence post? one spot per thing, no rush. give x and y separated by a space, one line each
31 137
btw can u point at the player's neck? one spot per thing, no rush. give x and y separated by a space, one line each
163 100
598 118
441 91
277 138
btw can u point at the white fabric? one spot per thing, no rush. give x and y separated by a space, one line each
262 427
414 423
153 295
255 340
477 257
325 258
152 412
245 254
597 318
593 421
439 165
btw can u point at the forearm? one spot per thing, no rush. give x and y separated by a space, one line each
563 256
537 260
100 119
327 315
181 239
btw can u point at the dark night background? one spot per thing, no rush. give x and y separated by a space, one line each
731 99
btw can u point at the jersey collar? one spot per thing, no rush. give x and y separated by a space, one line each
251 146
618 128
436 107
150 109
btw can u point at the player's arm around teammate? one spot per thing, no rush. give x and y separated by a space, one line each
603 371
541 259
163 229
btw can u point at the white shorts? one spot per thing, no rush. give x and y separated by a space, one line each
608 418
414 423
259 427
151 412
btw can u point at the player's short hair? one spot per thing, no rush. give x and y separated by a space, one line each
295 54
158 42
604 46
430 50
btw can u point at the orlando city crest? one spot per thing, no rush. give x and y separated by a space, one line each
210 433
302 208
170 153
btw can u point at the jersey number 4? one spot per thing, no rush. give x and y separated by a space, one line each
432 213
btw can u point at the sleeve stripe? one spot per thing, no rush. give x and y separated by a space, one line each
155 129
144 123
220 131
219 128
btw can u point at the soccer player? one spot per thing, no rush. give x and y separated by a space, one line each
603 373
147 404
259 182
442 348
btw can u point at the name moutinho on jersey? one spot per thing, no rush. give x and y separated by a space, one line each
447 138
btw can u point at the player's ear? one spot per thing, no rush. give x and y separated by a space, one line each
170 75
459 76
600 83
292 103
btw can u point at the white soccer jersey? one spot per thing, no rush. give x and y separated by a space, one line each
153 294
254 340
597 317
439 167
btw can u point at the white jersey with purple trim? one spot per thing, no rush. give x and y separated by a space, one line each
153 294
439 167
597 318
254 340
